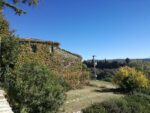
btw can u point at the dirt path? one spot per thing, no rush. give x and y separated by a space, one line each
78 99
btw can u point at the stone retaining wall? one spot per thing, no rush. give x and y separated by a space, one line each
4 105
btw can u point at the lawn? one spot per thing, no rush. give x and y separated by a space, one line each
97 91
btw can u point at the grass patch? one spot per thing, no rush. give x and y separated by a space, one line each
88 95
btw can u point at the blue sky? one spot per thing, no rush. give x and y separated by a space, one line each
105 28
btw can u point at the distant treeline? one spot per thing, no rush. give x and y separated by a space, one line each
146 59
106 69
111 64
105 64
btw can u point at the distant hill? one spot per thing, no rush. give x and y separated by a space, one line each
142 59
146 59
121 60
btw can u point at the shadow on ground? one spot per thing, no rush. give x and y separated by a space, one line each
109 90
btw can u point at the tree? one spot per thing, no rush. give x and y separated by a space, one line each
18 11
127 61
9 50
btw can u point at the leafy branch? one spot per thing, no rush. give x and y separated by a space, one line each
16 9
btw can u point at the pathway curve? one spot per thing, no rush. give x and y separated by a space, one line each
79 99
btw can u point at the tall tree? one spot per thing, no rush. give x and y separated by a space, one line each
127 61
9 46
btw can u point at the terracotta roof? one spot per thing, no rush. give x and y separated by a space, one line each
31 40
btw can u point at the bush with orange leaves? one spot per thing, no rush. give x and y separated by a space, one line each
129 78
77 78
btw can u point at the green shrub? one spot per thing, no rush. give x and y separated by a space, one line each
111 106
127 104
137 104
36 90
105 74
66 86
116 106
96 108
9 52
142 92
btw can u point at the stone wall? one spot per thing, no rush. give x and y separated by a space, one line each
4 105
57 60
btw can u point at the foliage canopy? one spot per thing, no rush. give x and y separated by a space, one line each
9 51
18 11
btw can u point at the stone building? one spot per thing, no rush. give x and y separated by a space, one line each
47 53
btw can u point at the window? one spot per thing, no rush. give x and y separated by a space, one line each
51 49
33 48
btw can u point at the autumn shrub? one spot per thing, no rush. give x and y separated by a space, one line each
35 90
129 79
77 78
141 66
66 85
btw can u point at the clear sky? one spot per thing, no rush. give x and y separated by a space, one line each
105 28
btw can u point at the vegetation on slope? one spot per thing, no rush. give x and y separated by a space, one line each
34 89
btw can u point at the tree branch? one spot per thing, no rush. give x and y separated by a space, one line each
16 9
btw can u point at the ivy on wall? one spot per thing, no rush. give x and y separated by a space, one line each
55 61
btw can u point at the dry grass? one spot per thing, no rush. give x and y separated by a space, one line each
97 91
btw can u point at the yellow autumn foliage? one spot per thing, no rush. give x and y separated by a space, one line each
129 78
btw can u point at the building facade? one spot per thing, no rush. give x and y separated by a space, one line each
47 53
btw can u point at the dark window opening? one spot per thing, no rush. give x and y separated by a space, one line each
33 48
51 49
